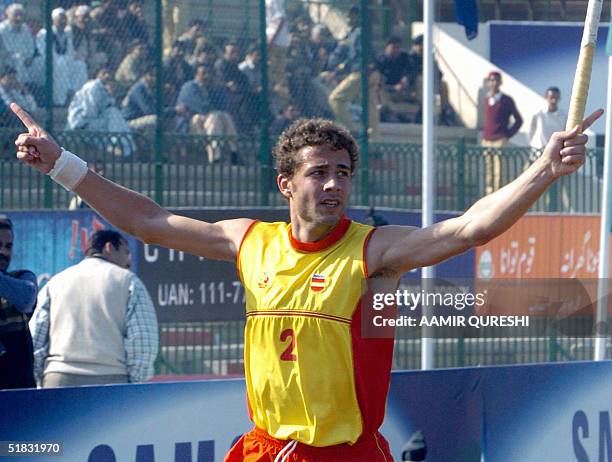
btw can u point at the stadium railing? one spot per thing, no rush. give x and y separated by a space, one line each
180 178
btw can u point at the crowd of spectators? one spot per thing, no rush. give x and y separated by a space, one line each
104 74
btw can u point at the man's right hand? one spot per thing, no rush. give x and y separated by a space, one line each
36 148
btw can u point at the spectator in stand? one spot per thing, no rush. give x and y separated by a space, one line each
94 107
17 301
205 116
416 82
301 70
499 110
176 69
282 121
18 42
84 41
133 24
190 36
95 323
107 28
69 74
242 104
277 36
346 63
324 45
133 65
13 91
394 67
206 56
547 121
203 43
139 104
251 67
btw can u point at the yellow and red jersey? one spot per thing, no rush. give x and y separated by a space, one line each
310 375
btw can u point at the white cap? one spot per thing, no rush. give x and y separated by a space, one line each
13 8
82 10
57 12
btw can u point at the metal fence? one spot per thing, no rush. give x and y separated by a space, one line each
391 177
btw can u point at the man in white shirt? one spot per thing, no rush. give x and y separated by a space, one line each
547 121
18 42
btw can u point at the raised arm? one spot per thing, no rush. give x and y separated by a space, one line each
398 249
130 211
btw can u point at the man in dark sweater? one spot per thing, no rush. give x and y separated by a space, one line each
17 300
498 109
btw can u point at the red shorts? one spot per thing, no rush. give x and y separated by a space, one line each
258 446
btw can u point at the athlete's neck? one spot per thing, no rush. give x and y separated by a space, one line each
310 232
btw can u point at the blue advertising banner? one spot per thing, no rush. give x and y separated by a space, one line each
47 242
534 413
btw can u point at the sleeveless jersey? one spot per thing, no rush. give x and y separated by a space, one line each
310 377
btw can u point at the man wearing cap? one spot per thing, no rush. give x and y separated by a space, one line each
499 108
17 300
17 39
69 74
84 41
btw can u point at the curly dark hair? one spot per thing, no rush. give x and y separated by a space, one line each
311 132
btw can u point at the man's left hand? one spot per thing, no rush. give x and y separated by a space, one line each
566 151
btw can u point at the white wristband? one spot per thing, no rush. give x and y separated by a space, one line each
69 170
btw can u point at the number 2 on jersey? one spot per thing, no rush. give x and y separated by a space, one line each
288 355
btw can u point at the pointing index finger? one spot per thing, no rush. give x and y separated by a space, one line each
591 119
26 119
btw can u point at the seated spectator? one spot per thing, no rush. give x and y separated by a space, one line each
203 43
176 69
251 67
189 37
94 108
416 81
242 104
69 74
346 62
205 116
324 44
133 65
84 41
18 42
107 27
301 69
139 104
133 24
282 121
206 56
13 91
394 66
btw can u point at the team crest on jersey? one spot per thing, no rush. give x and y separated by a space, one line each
318 282
264 281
